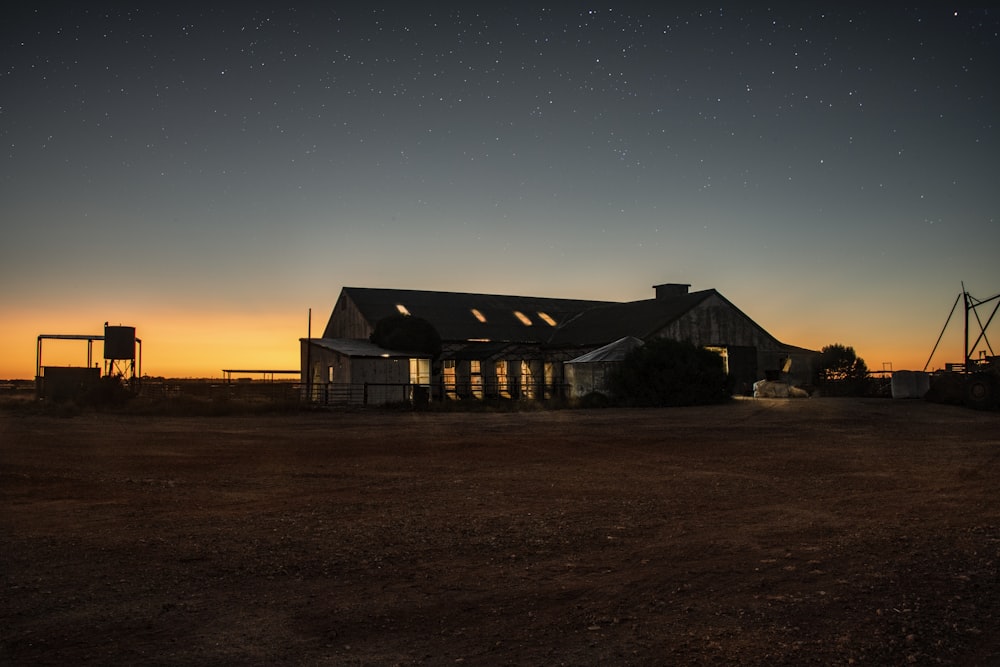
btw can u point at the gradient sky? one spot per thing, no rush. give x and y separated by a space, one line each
208 175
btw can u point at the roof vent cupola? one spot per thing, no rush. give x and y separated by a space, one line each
667 290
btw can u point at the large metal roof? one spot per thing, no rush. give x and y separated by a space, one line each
466 316
496 318
609 322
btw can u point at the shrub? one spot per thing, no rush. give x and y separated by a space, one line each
407 334
667 372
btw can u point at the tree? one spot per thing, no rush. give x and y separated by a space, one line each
841 371
407 334
668 372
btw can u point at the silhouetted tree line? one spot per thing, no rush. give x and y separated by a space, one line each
841 372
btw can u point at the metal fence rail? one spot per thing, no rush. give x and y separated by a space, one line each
287 392
346 394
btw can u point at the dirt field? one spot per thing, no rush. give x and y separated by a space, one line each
767 532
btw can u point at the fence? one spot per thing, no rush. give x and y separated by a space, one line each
277 392
499 391
374 393
345 394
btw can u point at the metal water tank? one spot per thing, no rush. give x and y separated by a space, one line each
119 342
910 384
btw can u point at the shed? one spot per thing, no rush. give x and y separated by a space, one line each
344 370
591 372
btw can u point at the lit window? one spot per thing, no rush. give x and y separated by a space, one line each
402 309
420 371
475 379
545 318
522 317
527 380
449 378
478 315
503 375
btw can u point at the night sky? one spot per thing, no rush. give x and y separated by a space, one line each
208 175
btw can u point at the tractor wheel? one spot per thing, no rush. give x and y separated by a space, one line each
981 392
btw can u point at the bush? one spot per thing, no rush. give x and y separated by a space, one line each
594 399
667 372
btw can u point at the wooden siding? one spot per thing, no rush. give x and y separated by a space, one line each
346 321
376 380
716 322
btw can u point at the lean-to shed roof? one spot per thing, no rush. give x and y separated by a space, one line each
616 351
351 347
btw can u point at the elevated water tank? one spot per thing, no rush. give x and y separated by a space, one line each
119 342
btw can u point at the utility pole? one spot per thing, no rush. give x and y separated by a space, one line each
309 326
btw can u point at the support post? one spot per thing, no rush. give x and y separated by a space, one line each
308 369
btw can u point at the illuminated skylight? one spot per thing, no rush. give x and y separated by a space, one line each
545 318
478 315
402 309
524 318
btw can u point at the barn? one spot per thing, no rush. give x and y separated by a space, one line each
505 346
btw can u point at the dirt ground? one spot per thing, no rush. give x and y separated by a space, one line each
764 532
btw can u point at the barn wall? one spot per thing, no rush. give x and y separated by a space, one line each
804 364
716 322
346 321
385 378
380 370
321 359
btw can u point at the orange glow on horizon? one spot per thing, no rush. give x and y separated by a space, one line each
199 343
173 345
